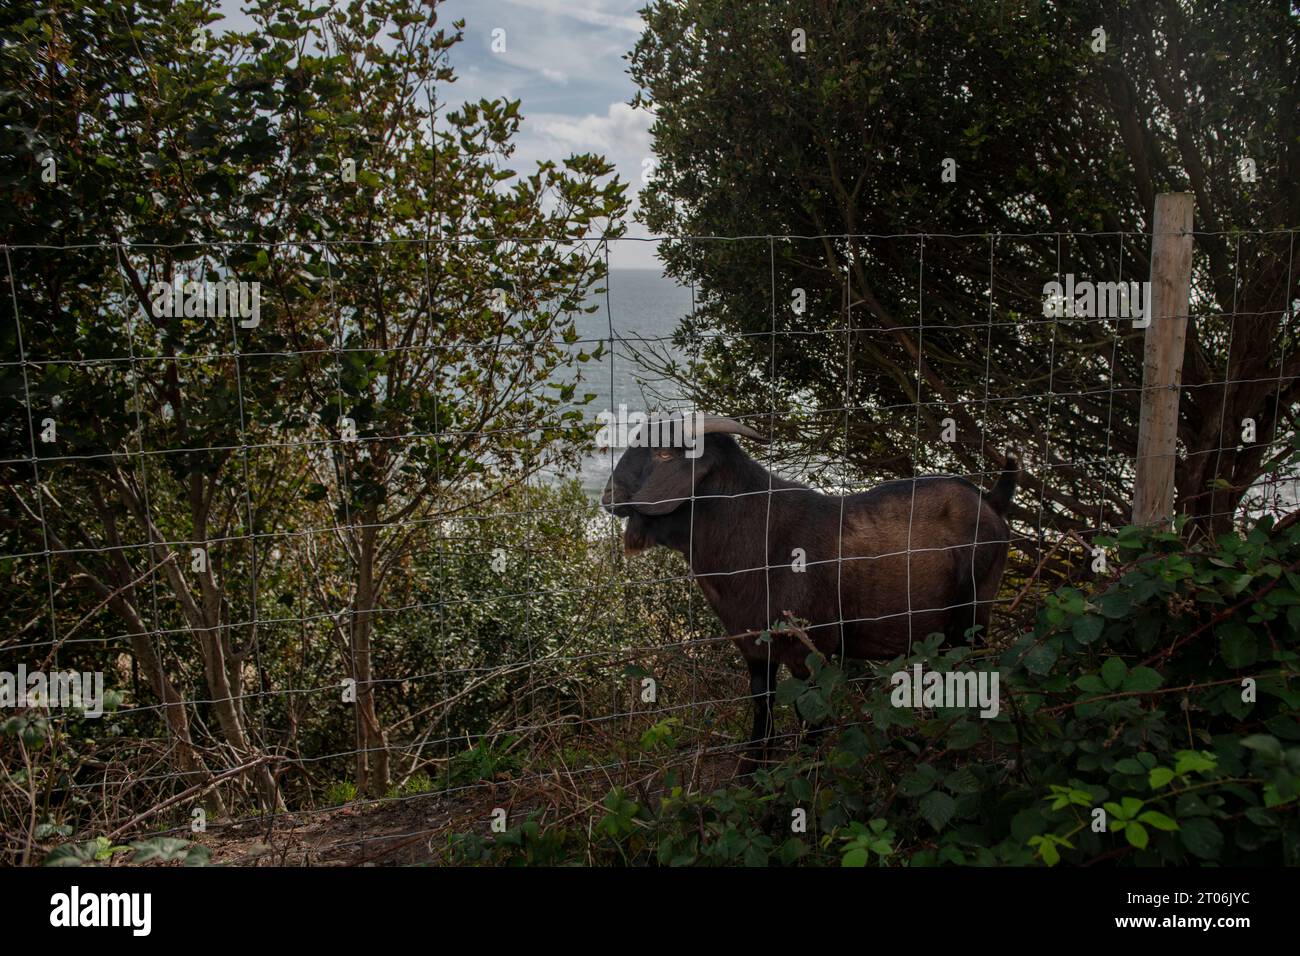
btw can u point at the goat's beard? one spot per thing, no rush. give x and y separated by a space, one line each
636 536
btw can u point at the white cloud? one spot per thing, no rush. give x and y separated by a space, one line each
621 134
622 131
558 57
586 14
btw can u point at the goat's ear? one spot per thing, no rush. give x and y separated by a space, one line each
670 484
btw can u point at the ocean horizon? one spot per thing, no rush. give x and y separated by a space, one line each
643 309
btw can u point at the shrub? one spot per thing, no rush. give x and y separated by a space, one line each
1148 720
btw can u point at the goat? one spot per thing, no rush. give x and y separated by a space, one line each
908 558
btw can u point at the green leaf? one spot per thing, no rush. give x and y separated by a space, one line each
1088 628
1142 679
1159 777
965 733
937 808
1040 660
1113 671
813 706
1114 605
1262 818
1264 744
1202 837
919 781
72 854
198 856
1237 644
1047 850
1126 809
962 781
789 690
1189 761
1158 820
1137 835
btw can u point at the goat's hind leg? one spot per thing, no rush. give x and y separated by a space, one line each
762 684
965 611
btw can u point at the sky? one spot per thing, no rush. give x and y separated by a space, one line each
563 60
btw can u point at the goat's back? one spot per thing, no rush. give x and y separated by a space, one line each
917 557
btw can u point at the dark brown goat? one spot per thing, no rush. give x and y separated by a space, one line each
879 570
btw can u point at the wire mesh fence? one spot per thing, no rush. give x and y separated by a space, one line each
325 516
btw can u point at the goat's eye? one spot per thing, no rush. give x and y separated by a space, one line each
663 455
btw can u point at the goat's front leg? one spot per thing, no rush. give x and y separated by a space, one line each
762 684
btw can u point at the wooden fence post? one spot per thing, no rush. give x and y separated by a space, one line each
1168 307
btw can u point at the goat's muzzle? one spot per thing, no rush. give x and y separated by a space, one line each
609 501
634 537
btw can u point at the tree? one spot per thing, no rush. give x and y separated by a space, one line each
188 448
1059 148
455 284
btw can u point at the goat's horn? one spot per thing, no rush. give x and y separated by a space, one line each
719 425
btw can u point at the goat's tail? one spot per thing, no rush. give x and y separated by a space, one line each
999 498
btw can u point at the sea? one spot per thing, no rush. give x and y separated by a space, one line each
641 311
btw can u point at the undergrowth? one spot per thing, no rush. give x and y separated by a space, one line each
1151 719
